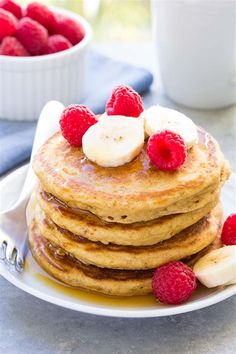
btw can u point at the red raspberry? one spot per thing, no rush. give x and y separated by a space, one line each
12 7
56 43
8 23
69 28
166 150
32 35
124 101
228 235
11 46
42 14
173 283
75 121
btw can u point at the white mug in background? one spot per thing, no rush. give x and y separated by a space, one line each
196 48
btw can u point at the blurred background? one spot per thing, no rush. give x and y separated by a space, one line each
120 28
112 20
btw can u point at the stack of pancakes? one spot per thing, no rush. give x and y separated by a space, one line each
107 229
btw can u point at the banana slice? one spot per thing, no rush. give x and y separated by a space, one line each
217 267
159 118
105 116
102 117
113 141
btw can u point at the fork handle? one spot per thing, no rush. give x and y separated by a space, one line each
48 124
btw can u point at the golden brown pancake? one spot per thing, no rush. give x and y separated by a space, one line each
137 234
64 267
89 278
191 260
134 192
189 241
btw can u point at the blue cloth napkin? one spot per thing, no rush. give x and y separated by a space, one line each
16 138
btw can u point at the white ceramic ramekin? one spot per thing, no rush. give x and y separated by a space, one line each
27 83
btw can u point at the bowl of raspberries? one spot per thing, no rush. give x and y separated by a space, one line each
43 56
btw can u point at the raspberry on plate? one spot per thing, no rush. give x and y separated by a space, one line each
42 14
75 121
11 46
12 7
32 35
166 150
173 283
69 28
228 235
124 101
56 43
8 23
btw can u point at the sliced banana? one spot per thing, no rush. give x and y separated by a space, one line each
159 118
102 117
113 141
105 116
218 267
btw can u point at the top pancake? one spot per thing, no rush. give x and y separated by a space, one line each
134 192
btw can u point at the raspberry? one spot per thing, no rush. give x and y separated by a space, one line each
75 121
228 235
12 7
124 101
56 43
42 14
11 46
8 23
32 35
166 150
69 28
173 283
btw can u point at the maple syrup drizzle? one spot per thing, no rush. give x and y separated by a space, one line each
145 301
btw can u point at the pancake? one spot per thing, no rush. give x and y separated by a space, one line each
184 244
134 192
136 234
73 272
191 260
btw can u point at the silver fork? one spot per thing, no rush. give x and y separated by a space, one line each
13 225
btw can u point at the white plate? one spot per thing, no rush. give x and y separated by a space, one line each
36 282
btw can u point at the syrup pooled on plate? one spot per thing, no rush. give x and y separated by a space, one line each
146 301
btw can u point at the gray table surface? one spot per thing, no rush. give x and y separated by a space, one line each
31 326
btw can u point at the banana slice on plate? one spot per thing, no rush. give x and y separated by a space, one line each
159 118
218 267
113 141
